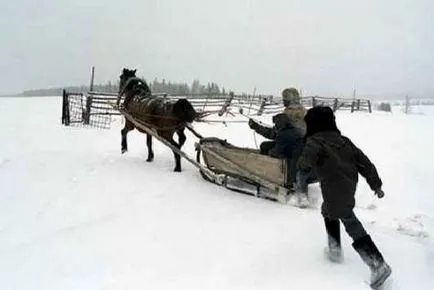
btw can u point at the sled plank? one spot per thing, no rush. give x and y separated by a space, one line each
271 169
245 172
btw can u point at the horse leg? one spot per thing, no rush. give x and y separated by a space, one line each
181 137
176 155
150 151
127 128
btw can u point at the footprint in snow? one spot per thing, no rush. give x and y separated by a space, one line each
414 226
371 206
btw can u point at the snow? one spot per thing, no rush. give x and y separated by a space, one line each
76 214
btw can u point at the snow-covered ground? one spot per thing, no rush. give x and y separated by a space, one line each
76 214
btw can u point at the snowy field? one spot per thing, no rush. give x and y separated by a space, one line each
76 214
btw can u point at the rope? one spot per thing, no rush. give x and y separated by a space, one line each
189 127
254 138
254 133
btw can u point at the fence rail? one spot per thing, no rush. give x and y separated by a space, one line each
94 109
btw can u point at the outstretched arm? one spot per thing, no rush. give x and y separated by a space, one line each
267 132
367 169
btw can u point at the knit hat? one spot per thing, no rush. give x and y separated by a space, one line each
320 119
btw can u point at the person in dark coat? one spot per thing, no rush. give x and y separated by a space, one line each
337 163
287 142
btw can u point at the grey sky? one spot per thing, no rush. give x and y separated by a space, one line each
379 47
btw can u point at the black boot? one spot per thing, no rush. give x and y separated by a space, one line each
372 257
334 251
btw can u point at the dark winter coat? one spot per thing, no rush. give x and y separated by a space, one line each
337 163
288 139
288 142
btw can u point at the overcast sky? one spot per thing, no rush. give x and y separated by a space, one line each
379 47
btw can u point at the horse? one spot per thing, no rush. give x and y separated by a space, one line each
166 118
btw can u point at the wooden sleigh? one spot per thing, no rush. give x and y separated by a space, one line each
244 169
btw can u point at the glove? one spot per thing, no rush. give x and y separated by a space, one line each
252 124
379 193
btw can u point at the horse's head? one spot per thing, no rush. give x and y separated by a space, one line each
184 111
125 76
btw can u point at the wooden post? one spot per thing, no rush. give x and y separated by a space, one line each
92 79
65 109
369 106
262 107
358 104
335 105
226 104
313 102
354 95
205 103
86 113
353 103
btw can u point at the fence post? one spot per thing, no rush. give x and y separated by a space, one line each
358 104
86 113
353 103
92 77
369 106
205 103
313 101
226 104
65 109
335 105
261 107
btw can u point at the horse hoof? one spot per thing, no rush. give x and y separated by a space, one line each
177 169
150 159
124 150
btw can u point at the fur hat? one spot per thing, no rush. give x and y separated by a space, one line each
320 119
291 95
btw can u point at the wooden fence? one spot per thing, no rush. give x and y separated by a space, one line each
339 103
95 108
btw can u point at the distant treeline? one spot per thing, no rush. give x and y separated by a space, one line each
156 86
